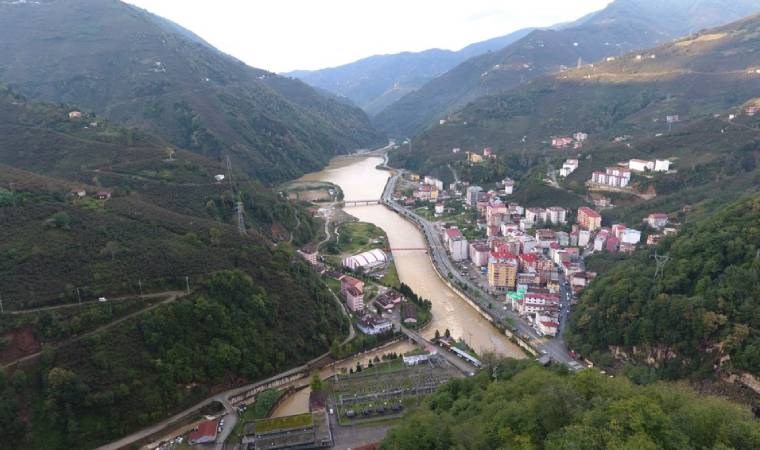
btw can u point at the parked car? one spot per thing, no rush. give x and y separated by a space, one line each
102 299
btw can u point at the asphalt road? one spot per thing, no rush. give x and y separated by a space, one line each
555 348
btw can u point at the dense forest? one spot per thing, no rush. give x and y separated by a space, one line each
517 404
701 311
234 329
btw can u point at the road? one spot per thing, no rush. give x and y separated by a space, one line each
555 348
171 296
230 417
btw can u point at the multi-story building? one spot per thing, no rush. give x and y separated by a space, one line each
473 195
458 248
354 299
431 181
537 302
589 219
556 215
479 253
509 186
584 237
535 215
617 177
502 270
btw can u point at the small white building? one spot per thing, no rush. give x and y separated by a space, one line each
219 177
640 165
630 236
439 208
661 165
657 220
509 186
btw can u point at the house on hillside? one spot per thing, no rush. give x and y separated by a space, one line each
78 193
75 115
103 195
657 220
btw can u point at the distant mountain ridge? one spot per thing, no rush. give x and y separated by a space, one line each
623 26
377 81
141 70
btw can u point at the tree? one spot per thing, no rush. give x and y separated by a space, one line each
111 248
447 333
60 220
317 385
437 334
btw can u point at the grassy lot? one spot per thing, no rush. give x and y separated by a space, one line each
390 278
356 237
259 410
284 423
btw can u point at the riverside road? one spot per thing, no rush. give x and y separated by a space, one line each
555 348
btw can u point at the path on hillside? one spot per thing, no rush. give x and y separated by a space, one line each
223 398
172 296
93 302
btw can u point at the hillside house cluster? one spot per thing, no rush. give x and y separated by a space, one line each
616 177
575 141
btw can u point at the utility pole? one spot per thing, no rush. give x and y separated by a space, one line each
79 297
139 283
2 310
187 284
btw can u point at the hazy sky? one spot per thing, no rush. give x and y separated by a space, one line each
282 35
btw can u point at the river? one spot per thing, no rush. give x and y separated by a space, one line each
359 179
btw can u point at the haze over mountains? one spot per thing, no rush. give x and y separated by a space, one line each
375 82
141 70
383 85
623 26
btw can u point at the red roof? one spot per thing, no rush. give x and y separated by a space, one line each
354 291
503 253
351 281
529 257
550 324
205 429
658 216
588 212
453 232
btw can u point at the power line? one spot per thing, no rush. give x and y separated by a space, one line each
661 261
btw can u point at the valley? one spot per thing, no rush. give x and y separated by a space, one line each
549 239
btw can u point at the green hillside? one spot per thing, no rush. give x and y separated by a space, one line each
623 26
703 79
134 68
167 226
699 315
236 328
167 216
530 407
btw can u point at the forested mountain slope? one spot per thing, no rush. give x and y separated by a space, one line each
135 68
623 26
168 225
704 79
699 315
516 404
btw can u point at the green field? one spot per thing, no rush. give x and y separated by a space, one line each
284 423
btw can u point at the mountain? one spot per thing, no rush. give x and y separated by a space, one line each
376 82
698 317
518 404
698 77
104 369
141 70
623 26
